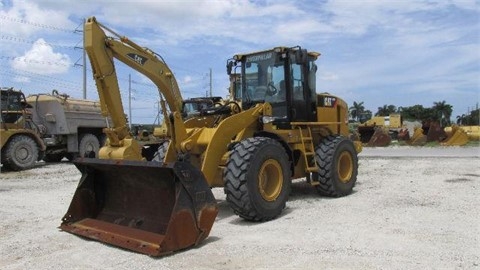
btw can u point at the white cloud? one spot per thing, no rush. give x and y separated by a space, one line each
24 18
21 79
41 59
187 79
370 49
328 76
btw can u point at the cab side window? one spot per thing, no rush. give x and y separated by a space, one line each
297 82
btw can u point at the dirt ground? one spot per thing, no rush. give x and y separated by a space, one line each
412 208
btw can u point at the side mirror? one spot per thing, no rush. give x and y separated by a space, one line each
229 67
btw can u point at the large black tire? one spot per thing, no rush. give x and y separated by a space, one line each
88 145
159 156
257 179
20 153
337 162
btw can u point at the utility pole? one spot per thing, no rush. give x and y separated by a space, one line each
210 82
84 57
84 65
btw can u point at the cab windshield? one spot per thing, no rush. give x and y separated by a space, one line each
263 78
11 101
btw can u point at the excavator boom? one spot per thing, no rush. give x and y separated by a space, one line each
150 207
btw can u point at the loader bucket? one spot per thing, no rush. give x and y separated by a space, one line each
403 135
418 138
457 137
380 138
147 207
365 133
435 133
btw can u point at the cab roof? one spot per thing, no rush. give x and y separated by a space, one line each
279 49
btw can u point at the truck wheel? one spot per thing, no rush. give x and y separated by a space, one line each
20 153
257 179
159 156
337 162
53 157
88 146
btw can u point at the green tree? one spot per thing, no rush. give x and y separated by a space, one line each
461 119
386 110
366 115
416 112
356 110
471 119
442 112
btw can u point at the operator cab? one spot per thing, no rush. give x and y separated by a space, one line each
199 106
12 105
283 77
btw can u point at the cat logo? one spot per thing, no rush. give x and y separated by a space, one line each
329 102
137 58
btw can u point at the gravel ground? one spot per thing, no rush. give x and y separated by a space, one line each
413 208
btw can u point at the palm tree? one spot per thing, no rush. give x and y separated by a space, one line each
386 110
356 110
443 111
366 115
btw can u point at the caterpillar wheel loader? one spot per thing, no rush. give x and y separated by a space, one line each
277 129
20 142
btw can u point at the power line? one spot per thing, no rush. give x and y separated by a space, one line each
40 25
50 84
18 58
29 73
22 40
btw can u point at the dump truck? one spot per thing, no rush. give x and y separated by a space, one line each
20 142
68 126
278 129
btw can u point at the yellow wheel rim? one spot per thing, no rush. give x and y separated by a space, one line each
345 167
270 180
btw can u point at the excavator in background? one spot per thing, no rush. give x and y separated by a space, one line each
273 129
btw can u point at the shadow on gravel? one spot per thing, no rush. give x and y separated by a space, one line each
301 191
467 178
304 191
458 180
224 210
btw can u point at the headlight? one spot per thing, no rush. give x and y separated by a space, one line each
267 119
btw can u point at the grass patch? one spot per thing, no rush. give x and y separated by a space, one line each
432 144
473 143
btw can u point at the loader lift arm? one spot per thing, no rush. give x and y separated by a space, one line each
102 50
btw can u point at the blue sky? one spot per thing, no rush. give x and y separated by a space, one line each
377 52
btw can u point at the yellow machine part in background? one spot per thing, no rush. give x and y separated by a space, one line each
461 135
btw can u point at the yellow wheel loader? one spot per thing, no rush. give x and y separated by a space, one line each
275 128
20 143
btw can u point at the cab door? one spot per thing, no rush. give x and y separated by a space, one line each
302 97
